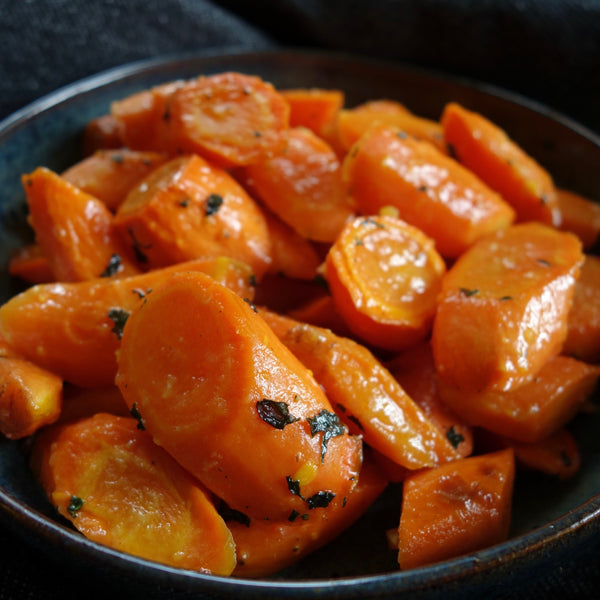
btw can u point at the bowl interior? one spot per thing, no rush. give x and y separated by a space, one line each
48 133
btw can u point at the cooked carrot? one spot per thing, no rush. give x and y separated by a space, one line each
501 163
455 509
366 396
431 191
292 255
302 185
30 264
232 405
109 175
118 488
265 547
74 230
352 123
534 410
30 397
414 369
73 329
102 133
580 216
322 312
314 108
86 402
190 209
583 334
385 276
504 307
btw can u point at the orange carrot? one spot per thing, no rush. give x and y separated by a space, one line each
102 133
109 175
414 369
232 405
504 307
502 164
190 209
265 547
30 397
583 334
74 230
431 191
109 479
385 276
322 312
367 398
534 410
73 329
302 185
455 509
580 216
30 264
352 123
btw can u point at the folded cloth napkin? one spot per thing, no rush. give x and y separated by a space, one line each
549 51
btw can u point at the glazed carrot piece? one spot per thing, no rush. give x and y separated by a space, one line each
504 306
314 108
86 402
414 369
534 410
74 230
101 133
109 175
73 329
431 191
190 209
30 264
580 216
385 276
365 395
455 509
501 163
583 333
118 488
228 388
30 397
302 185
229 118
266 547
352 123
292 255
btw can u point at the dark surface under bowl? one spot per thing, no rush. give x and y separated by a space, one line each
553 522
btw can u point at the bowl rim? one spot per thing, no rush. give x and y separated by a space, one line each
19 516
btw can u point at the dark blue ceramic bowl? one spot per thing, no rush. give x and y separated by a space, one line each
554 522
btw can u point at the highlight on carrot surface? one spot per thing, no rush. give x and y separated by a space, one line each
385 276
74 329
516 286
430 190
302 185
580 216
454 509
118 488
228 387
188 209
501 163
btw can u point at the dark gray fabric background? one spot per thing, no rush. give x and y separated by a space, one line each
548 50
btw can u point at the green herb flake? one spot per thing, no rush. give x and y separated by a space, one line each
293 516
119 317
135 413
467 292
329 424
402 135
251 304
75 505
293 486
454 437
320 500
543 262
252 280
213 203
117 158
184 203
274 413
257 134
138 248
504 298
114 266
422 188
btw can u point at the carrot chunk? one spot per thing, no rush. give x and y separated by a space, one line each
385 276
190 209
74 230
431 191
303 186
109 479
455 509
502 164
102 133
580 216
222 395
314 108
504 307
